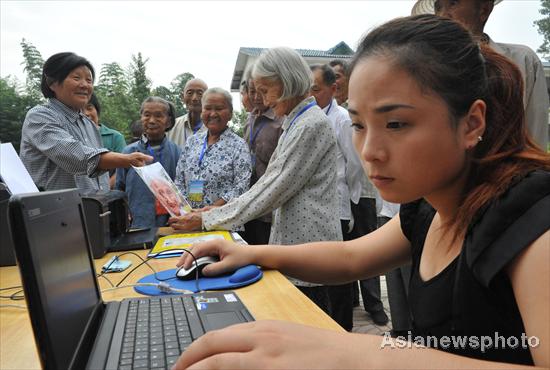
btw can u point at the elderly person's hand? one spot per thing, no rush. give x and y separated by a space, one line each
191 221
138 159
207 208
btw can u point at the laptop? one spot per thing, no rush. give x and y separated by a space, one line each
73 327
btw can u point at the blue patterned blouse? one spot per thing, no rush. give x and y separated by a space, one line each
225 167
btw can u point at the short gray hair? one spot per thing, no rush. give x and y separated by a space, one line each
287 66
223 92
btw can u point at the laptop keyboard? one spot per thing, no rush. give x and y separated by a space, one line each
157 330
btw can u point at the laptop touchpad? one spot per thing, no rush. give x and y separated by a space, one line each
219 320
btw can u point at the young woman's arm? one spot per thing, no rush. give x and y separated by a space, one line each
272 344
320 262
530 276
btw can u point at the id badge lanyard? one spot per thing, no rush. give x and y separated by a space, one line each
329 106
296 117
253 140
197 127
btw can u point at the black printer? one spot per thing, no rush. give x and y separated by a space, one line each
7 253
107 222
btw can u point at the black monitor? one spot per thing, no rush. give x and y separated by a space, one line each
58 274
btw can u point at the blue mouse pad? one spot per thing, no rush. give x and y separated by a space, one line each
244 276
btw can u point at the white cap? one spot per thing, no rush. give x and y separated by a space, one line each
427 7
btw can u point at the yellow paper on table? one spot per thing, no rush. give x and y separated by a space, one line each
173 245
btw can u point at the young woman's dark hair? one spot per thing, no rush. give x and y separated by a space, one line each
58 67
95 102
170 109
443 58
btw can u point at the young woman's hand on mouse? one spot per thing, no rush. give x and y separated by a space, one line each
231 255
276 345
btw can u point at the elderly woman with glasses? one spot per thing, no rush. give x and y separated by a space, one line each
299 184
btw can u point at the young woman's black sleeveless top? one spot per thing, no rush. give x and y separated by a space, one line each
472 299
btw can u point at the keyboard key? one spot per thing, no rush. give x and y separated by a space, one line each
171 361
141 356
127 349
185 340
171 352
170 332
171 345
126 355
170 338
126 361
158 363
142 342
141 363
141 349
157 348
156 341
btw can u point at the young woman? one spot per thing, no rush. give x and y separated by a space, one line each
157 116
439 125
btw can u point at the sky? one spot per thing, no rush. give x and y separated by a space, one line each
204 37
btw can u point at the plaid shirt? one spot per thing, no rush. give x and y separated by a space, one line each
60 148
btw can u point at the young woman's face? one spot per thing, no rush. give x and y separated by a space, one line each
404 135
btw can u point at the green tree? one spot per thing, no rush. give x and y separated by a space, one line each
543 26
140 84
118 106
163 92
238 121
13 108
112 79
33 63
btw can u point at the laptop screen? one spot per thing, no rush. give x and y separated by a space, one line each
63 292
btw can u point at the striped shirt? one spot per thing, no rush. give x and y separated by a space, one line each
60 148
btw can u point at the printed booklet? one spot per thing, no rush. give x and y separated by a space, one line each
172 245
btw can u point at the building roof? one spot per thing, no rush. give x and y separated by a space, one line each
247 55
341 50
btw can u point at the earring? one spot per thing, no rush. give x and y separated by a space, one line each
480 138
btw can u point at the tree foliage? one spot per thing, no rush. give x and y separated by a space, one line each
140 84
120 92
13 108
118 106
32 66
543 26
238 121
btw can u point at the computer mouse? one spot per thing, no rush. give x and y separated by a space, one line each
189 274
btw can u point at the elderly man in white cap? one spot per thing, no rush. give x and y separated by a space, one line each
473 14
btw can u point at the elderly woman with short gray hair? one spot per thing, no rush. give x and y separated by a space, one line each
214 166
299 184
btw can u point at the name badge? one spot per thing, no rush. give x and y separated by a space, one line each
196 190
